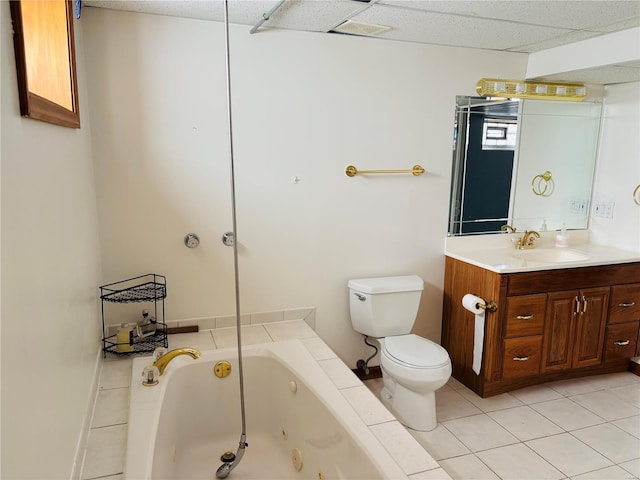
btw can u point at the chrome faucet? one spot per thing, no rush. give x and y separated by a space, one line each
162 362
526 241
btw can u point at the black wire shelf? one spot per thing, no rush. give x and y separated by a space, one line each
140 346
144 288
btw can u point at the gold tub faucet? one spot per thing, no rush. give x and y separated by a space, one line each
162 362
527 240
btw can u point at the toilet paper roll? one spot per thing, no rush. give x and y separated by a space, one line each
472 303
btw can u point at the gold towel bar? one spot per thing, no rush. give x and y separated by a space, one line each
352 171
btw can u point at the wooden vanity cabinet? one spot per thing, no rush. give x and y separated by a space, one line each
549 325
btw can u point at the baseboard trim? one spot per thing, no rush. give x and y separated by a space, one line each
81 446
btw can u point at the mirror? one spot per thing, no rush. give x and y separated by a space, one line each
45 60
526 163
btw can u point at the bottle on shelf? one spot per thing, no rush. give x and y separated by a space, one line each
124 337
146 326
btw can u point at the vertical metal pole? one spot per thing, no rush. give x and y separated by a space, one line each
226 467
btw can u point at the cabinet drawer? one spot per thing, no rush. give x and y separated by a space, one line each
525 315
522 357
624 305
621 340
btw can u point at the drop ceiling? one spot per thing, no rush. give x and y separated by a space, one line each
525 26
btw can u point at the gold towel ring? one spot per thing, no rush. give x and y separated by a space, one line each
542 185
636 195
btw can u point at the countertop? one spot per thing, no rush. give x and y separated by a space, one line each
497 252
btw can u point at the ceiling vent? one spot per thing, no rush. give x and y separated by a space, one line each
357 28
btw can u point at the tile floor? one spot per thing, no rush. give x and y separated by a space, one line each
585 428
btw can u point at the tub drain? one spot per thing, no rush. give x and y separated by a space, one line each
227 457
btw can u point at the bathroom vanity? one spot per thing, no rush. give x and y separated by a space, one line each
561 313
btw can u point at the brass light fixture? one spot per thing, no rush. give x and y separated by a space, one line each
494 87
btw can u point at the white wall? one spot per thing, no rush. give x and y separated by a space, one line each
304 105
618 171
50 270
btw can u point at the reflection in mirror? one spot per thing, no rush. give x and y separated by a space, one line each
527 163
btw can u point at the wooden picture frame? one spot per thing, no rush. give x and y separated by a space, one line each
46 61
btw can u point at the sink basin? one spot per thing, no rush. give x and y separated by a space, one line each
551 255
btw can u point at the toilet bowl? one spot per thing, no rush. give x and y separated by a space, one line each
413 368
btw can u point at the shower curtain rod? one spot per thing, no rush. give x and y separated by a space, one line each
266 16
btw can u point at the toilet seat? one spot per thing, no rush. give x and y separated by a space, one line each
416 352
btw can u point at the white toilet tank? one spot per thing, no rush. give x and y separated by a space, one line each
384 306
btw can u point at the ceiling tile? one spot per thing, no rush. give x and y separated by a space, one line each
574 14
316 16
572 36
445 29
630 22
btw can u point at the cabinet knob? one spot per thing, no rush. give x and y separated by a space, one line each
525 317
622 343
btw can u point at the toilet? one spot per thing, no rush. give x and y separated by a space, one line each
413 368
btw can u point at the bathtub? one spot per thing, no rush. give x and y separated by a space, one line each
180 428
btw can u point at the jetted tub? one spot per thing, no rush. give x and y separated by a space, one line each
298 423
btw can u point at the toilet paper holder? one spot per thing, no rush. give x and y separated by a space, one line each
491 306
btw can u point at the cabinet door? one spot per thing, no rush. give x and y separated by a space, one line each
593 304
559 327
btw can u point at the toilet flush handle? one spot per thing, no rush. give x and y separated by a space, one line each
360 297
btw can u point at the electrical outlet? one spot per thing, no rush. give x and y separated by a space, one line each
578 207
603 209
